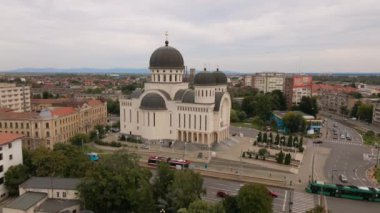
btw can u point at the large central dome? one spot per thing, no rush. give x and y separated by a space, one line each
166 57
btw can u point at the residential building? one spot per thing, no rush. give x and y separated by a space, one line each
376 113
15 98
167 109
339 103
248 81
46 194
296 87
11 155
54 124
268 81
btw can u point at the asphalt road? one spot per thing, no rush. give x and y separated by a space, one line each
302 201
363 125
347 156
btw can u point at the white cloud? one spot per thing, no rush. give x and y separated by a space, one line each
239 35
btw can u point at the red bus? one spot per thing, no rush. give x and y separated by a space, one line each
173 163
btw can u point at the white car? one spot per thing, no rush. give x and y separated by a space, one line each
342 137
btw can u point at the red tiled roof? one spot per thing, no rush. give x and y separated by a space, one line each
19 115
333 88
62 111
9 137
94 102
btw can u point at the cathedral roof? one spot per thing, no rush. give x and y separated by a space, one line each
188 97
220 77
166 57
204 78
153 101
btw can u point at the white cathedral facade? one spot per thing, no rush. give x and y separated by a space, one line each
167 109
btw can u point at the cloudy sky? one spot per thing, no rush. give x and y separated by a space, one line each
247 36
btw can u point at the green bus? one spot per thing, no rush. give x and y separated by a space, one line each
343 191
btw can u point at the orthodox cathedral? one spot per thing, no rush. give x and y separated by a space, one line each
167 109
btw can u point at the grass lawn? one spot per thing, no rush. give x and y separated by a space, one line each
371 139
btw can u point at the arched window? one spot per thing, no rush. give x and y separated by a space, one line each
202 93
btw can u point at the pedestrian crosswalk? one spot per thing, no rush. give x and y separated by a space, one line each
302 202
344 142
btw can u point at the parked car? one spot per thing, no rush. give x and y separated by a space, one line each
222 194
343 178
234 134
354 119
348 137
144 146
272 194
318 142
342 137
335 136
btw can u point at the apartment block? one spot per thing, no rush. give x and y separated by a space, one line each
54 124
339 103
376 114
14 97
268 81
248 81
10 155
296 87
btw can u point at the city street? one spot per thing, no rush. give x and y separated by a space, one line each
347 156
301 201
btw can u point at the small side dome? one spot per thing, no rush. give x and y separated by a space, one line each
153 101
204 79
220 77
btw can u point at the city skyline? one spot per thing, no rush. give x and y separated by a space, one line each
242 36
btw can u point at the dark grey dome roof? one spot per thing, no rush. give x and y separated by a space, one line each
188 97
153 101
220 77
166 57
204 78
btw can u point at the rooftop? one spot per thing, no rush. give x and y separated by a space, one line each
9 137
62 111
56 205
26 201
51 182
18 115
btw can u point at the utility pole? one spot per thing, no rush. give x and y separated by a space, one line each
312 169
377 156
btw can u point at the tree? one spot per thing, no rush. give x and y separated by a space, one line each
354 110
282 141
47 95
230 204
242 115
309 105
186 188
300 145
199 206
278 100
295 142
293 121
79 139
14 176
113 107
164 178
117 184
265 139
270 139
254 198
263 152
365 112
260 137
247 105
263 106
234 116
288 158
344 110
290 140
280 157
277 140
